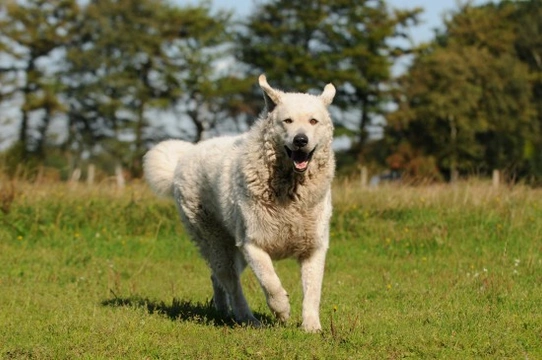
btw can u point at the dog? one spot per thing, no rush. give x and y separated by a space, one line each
256 197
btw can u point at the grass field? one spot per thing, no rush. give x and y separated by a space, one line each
425 272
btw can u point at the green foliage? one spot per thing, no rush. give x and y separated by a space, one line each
212 99
109 68
304 46
134 58
528 19
468 101
30 33
423 272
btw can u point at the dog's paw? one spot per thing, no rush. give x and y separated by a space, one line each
311 325
250 321
280 306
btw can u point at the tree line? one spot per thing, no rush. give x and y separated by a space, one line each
103 80
472 99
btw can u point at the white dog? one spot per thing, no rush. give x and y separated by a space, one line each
256 197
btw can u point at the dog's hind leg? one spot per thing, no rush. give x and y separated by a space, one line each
227 287
220 298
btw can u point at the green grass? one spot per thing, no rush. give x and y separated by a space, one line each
428 272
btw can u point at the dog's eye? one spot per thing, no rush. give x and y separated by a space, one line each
288 121
313 121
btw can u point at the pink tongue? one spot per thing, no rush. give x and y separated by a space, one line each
301 165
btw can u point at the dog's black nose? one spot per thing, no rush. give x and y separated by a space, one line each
301 140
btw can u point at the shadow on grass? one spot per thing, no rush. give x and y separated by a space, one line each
183 310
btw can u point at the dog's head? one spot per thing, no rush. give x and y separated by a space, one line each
301 121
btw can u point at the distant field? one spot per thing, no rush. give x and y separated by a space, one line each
422 272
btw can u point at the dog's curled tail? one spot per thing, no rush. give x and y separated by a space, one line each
159 165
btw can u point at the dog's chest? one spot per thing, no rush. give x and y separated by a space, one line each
285 233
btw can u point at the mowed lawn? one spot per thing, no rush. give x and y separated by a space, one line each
413 272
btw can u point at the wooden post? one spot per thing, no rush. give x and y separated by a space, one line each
119 176
496 178
90 174
364 175
454 176
76 175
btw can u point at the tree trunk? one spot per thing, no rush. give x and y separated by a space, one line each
200 127
359 146
136 168
27 90
454 174
40 146
22 134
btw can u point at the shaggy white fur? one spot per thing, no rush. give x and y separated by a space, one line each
256 197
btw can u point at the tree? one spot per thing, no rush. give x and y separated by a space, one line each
528 21
117 71
466 102
304 45
135 58
212 97
33 34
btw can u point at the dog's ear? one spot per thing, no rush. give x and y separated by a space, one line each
328 94
271 96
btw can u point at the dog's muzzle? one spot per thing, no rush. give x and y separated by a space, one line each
300 158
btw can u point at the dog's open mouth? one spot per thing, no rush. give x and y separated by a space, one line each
300 159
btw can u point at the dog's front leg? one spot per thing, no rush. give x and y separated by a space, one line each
261 264
312 274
